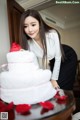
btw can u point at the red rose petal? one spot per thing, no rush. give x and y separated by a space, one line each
2 106
61 101
2 109
47 105
9 106
57 95
15 47
44 110
22 108
63 97
5 107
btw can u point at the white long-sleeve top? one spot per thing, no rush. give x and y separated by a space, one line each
53 51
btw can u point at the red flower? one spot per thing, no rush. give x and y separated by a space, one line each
44 110
4 107
57 95
63 97
9 106
61 101
47 105
15 47
22 108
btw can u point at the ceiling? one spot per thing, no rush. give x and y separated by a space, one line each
64 16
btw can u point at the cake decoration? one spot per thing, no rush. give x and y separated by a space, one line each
60 97
15 47
24 82
47 105
4 107
22 108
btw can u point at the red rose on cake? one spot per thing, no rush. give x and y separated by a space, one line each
15 47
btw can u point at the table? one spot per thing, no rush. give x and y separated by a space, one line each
61 111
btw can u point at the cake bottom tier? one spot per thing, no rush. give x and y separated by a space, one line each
30 95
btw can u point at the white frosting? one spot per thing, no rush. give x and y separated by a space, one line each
21 61
20 56
24 82
31 95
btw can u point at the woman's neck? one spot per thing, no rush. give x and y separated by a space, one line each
38 41
37 38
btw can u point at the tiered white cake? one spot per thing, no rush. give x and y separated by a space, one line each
24 82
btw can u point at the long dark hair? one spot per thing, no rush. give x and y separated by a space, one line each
44 28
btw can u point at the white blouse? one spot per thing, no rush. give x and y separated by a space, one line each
53 51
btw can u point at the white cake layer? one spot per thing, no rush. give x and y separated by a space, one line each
22 67
20 56
22 61
24 82
30 95
13 80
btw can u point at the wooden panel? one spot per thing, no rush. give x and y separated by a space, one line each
14 14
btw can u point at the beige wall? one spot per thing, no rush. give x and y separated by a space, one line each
72 37
4 32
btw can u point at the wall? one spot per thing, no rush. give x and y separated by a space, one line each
4 33
72 37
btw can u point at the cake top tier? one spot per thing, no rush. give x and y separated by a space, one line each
20 56
16 55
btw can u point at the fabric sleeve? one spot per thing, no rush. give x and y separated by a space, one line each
57 63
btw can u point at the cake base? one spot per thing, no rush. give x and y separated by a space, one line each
31 95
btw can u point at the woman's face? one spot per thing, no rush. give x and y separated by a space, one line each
31 27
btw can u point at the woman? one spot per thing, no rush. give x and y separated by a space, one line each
43 40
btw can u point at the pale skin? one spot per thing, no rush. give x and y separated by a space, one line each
31 28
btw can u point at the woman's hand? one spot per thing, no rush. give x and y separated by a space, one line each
55 84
